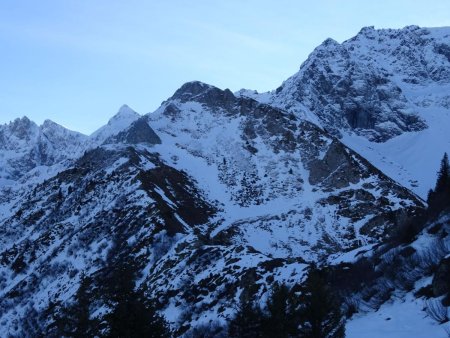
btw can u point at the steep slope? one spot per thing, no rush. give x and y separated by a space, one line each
215 196
120 197
410 294
289 194
30 154
384 92
254 158
119 122
209 195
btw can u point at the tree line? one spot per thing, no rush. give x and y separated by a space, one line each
310 311
130 313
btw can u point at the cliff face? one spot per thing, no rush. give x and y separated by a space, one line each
359 85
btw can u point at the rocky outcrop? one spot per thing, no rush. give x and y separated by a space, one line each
138 132
359 85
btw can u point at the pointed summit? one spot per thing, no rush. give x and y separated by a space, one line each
49 125
138 132
125 113
21 122
119 122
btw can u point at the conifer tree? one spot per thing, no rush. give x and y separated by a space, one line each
131 315
443 181
280 319
320 315
74 320
439 198
246 322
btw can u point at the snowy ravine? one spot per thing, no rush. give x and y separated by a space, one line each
217 195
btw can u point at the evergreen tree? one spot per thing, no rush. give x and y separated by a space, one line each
131 316
246 322
443 181
280 319
74 320
439 198
320 315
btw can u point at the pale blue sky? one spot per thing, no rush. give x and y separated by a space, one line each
77 61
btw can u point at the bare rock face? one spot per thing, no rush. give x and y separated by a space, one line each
138 132
336 169
204 93
27 146
359 85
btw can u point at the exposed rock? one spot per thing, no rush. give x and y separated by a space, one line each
138 132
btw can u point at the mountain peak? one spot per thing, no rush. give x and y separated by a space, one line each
125 113
367 29
330 42
47 124
125 109
191 89
22 126
119 122
203 93
24 120
49 127
411 28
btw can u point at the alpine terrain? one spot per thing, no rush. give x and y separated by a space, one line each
196 219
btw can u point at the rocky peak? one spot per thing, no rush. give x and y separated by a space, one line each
138 132
329 42
203 93
351 87
22 128
125 113
49 127
118 123
190 90
328 48
367 30
49 124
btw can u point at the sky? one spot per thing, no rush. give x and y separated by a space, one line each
77 61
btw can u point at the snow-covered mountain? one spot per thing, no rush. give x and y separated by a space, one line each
119 122
384 92
217 195
25 146
29 154
227 181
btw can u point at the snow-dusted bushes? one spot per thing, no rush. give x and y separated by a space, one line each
437 311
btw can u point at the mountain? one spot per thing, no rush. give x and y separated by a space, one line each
237 188
259 161
384 93
217 196
25 145
119 122
31 154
